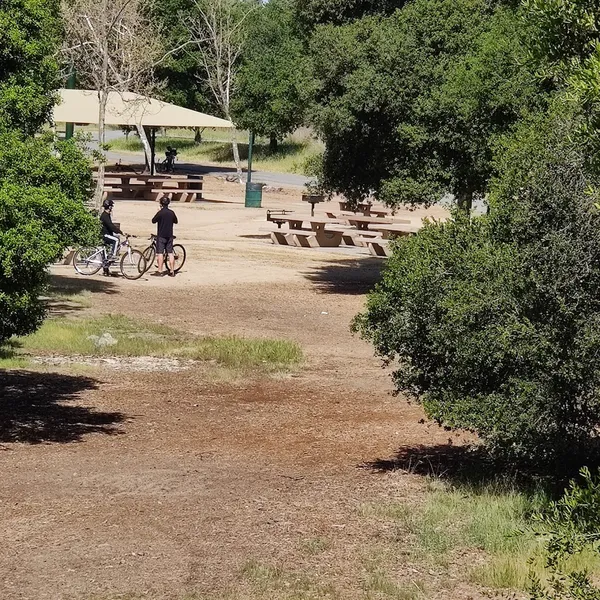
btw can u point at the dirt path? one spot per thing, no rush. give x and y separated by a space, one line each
158 485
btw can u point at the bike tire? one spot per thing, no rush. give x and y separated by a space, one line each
149 256
180 256
81 261
133 264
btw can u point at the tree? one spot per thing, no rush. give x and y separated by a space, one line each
217 31
494 323
179 71
311 13
43 183
274 84
29 32
114 47
410 106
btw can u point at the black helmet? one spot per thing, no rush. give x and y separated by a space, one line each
165 201
108 204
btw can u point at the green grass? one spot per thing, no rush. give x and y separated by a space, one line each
290 157
11 359
379 586
139 338
271 581
492 522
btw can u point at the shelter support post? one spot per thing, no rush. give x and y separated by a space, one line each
70 127
152 149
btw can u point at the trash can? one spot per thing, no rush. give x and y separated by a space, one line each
253 194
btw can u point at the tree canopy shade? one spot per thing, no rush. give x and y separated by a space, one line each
43 184
274 85
29 35
410 106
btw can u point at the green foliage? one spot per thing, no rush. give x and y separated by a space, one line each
311 13
274 84
29 39
411 105
571 526
44 162
43 185
36 224
495 323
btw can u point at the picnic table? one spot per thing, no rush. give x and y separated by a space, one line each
363 222
153 187
396 229
365 208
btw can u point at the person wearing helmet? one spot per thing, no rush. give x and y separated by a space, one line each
165 218
109 231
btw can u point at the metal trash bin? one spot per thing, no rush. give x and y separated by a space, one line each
253 194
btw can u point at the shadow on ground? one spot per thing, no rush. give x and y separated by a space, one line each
34 408
473 466
347 277
77 284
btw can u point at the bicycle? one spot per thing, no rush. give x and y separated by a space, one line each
88 261
168 164
178 252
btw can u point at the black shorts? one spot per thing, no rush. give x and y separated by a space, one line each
163 244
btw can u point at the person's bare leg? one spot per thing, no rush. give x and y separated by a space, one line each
172 263
161 261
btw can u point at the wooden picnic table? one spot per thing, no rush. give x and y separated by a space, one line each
396 229
362 222
365 208
153 187
296 222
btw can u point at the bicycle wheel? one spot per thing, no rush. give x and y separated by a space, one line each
133 264
88 261
149 256
179 254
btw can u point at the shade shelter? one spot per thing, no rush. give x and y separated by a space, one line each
129 108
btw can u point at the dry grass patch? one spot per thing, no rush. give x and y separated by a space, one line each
116 335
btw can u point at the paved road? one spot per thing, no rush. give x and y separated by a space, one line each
271 179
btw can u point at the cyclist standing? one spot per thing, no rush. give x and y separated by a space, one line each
165 218
110 232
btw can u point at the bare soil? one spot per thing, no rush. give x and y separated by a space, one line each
162 482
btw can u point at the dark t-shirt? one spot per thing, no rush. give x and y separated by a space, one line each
108 227
165 218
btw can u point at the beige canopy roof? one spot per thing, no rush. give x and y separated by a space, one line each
128 108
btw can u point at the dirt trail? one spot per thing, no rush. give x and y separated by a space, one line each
165 483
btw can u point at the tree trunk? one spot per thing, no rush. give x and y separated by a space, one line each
198 136
465 202
146 144
236 156
103 98
273 144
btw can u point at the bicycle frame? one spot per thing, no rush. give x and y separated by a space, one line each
100 256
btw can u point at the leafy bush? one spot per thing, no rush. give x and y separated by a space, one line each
36 224
43 184
495 323
573 526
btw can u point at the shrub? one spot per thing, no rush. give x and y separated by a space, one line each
494 323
